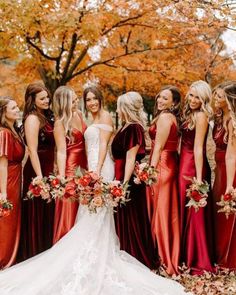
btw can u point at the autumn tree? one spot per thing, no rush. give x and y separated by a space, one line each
115 41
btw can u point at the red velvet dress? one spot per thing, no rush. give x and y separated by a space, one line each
66 210
225 229
14 150
37 214
162 199
132 223
196 227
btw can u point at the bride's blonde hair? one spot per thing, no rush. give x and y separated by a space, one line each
131 109
204 93
62 106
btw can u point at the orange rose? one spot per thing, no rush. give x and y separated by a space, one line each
84 201
143 176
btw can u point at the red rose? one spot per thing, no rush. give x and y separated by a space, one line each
116 191
55 182
143 176
85 180
196 196
227 197
70 190
35 190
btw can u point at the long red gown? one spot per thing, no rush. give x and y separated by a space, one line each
132 223
225 229
14 150
196 227
162 199
37 214
66 210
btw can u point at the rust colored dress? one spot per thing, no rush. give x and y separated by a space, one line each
13 148
37 214
197 227
162 199
132 222
225 229
66 210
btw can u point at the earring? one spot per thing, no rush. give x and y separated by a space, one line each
172 108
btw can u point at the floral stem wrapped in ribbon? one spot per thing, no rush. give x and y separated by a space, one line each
145 173
39 187
228 203
5 207
197 193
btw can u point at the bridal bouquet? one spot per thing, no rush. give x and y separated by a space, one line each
93 192
145 173
197 193
228 203
5 208
39 187
57 186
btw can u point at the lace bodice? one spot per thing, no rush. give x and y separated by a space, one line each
92 140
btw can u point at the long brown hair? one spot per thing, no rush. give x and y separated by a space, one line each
30 94
4 100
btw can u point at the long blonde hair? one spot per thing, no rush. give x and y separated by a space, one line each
62 106
204 93
130 106
229 88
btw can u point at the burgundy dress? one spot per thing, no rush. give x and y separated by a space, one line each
132 223
13 148
162 199
225 229
37 214
196 227
66 210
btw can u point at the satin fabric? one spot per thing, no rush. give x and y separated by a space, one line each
132 223
66 210
162 199
14 150
225 229
37 214
196 227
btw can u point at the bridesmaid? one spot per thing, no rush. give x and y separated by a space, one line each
11 155
132 223
195 226
224 135
68 132
93 103
162 197
37 214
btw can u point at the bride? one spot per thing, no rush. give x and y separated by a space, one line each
87 260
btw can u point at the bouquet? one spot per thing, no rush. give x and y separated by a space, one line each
57 186
197 193
39 187
5 208
145 173
228 203
93 192
115 193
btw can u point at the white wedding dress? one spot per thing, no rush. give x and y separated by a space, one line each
87 260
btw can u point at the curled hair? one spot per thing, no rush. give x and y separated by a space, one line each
229 88
175 109
62 106
204 93
4 100
130 106
98 95
30 108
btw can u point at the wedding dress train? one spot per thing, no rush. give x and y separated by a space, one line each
87 260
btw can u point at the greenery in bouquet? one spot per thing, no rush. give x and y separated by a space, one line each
57 186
